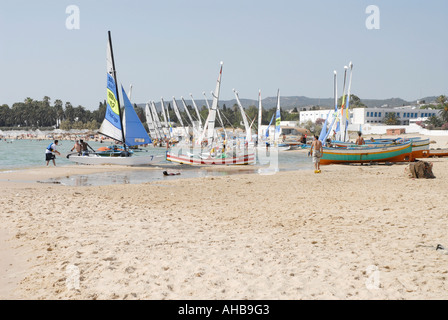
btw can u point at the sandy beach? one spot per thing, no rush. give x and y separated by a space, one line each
351 232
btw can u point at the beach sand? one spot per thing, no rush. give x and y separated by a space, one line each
351 232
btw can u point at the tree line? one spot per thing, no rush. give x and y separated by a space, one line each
35 114
41 114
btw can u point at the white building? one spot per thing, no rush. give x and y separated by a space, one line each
405 115
313 115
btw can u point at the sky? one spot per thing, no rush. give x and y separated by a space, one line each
174 48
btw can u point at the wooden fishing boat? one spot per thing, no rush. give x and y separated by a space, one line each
393 153
439 153
244 159
204 157
420 148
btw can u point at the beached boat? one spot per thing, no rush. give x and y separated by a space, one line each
244 159
201 154
439 153
420 148
394 153
129 131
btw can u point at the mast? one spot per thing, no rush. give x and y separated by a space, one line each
170 128
348 101
116 89
209 125
335 113
206 101
179 117
260 111
156 119
188 112
150 122
277 119
342 123
165 122
197 112
130 92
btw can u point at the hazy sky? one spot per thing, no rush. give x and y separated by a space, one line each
173 48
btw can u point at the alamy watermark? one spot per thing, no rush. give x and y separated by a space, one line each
72 280
72 22
373 20
373 280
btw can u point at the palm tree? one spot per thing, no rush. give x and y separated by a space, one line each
443 100
391 119
28 100
434 122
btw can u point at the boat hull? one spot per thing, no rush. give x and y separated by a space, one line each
398 153
246 159
438 153
420 148
123 161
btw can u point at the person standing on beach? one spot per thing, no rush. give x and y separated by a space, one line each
50 152
84 147
317 151
360 141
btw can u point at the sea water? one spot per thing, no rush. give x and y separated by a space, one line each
17 155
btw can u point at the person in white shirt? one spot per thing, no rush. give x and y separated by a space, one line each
50 152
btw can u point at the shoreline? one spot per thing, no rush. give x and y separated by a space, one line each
283 236
288 235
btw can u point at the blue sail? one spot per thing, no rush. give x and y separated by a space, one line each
267 130
135 133
323 132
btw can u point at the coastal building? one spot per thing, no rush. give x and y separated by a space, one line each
313 115
359 116
404 115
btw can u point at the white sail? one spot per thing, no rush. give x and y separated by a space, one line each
277 119
150 122
165 128
243 114
197 112
188 112
156 119
167 118
206 101
112 123
209 126
176 111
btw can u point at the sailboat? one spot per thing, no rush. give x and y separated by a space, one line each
208 150
128 131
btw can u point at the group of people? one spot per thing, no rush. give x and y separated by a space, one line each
81 147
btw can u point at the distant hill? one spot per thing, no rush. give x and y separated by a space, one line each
288 103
